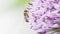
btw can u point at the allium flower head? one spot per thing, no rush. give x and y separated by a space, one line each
44 15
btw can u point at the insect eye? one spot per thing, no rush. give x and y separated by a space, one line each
25 11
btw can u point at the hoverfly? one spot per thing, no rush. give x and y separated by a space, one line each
26 16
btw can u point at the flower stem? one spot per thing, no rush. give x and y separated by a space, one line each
55 30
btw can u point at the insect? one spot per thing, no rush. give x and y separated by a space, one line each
26 16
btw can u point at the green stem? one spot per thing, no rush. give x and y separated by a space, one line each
55 30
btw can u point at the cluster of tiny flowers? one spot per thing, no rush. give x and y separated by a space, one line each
44 15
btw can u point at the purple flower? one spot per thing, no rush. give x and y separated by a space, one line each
56 33
42 19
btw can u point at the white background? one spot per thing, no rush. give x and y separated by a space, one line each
12 20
